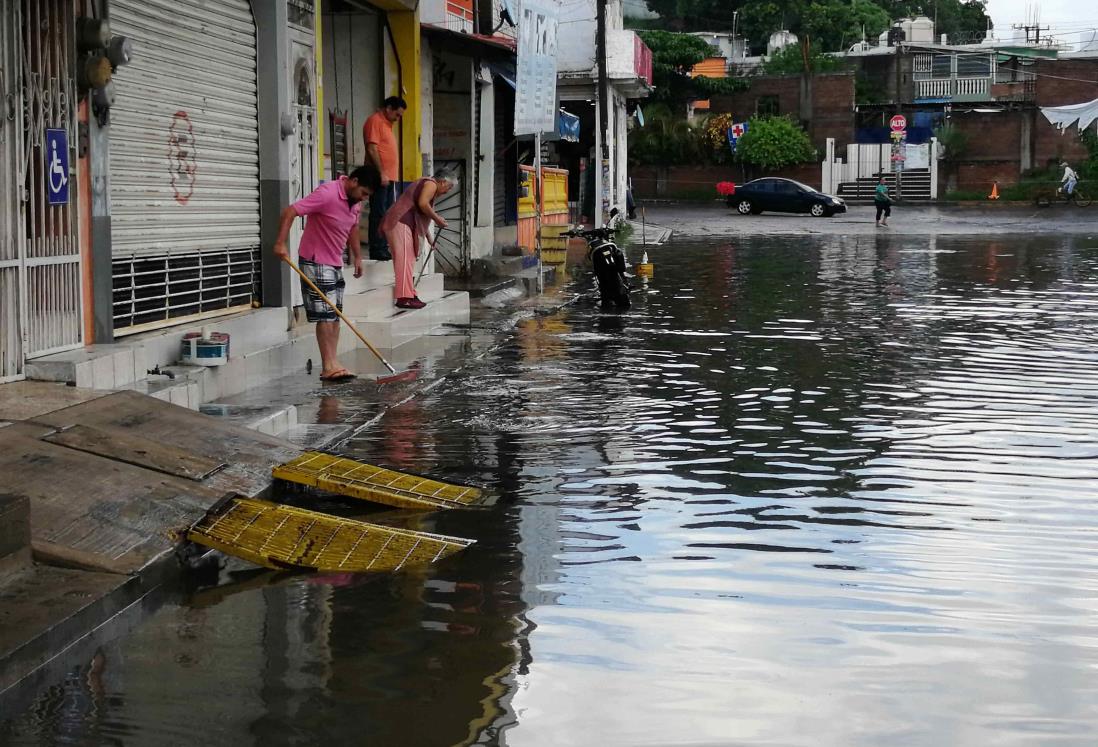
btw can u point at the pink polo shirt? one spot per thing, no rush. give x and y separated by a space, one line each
330 221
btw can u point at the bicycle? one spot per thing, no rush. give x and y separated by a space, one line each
1046 197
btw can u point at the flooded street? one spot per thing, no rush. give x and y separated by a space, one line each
812 490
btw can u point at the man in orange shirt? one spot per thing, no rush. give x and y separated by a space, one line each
381 151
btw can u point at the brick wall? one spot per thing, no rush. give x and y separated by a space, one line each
996 141
832 103
1075 81
699 182
1061 82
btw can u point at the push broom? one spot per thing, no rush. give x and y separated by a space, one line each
409 374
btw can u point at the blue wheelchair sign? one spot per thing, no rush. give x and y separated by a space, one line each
57 167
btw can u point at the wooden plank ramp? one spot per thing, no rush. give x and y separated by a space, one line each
278 536
378 484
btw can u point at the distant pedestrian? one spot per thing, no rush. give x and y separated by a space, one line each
883 202
407 225
382 152
333 211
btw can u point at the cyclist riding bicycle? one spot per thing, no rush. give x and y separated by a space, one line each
1069 180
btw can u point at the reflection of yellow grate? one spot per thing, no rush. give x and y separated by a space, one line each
277 536
359 480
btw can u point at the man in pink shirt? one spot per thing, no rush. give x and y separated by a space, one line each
333 209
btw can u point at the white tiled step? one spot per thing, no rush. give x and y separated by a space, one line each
272 420
404 325
378 302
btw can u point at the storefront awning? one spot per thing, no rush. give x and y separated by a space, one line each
504 71
471 45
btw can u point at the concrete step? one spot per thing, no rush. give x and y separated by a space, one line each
47 613
401 326
377 274
15 534
118 365
378 302
273 420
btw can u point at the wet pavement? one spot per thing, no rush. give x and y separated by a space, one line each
908 219
837 491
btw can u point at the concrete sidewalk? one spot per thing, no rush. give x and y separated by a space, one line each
98 484
98 487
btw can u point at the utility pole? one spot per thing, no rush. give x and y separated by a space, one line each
603 118
1036 29
899 108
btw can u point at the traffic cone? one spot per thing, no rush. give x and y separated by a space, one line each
994 191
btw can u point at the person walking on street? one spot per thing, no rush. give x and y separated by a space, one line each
406 225
381 151
882 201
333 211
1069 179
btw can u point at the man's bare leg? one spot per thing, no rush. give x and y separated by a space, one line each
327 338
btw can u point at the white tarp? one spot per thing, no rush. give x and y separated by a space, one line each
1065 116
536 79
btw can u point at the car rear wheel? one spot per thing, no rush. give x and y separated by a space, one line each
818 210
745 207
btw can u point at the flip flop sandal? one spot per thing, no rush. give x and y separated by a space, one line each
341 375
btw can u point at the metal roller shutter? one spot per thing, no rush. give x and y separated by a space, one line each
184 161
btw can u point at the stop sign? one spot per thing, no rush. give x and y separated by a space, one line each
898 123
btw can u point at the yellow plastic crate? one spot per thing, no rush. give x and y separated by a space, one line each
277 536
369 482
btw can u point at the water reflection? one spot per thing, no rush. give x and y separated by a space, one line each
808 491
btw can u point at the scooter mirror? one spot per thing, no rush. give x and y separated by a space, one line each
614 213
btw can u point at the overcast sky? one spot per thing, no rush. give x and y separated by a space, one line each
1072 21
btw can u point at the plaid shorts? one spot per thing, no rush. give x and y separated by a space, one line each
330 281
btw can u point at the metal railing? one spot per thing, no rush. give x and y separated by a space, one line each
459 17
953 88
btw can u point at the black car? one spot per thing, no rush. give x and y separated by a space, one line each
783 196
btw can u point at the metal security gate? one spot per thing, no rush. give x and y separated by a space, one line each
452 244
40 281
184 162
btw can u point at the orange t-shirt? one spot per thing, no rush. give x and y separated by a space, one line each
379 131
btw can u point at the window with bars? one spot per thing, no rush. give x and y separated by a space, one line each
767 106
148 290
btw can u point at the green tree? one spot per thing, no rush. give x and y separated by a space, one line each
820 25
666 139
961 20
696 15
832 25
789 61
773 143
673 55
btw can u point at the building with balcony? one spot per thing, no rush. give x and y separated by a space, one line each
990 91
597 164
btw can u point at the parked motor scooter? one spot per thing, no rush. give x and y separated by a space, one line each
607 260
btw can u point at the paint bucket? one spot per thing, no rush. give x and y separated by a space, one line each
205 348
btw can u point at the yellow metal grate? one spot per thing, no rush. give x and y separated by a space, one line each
360 480
277 536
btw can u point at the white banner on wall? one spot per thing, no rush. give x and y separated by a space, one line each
536 79
917 156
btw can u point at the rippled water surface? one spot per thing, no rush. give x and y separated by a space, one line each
811 491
